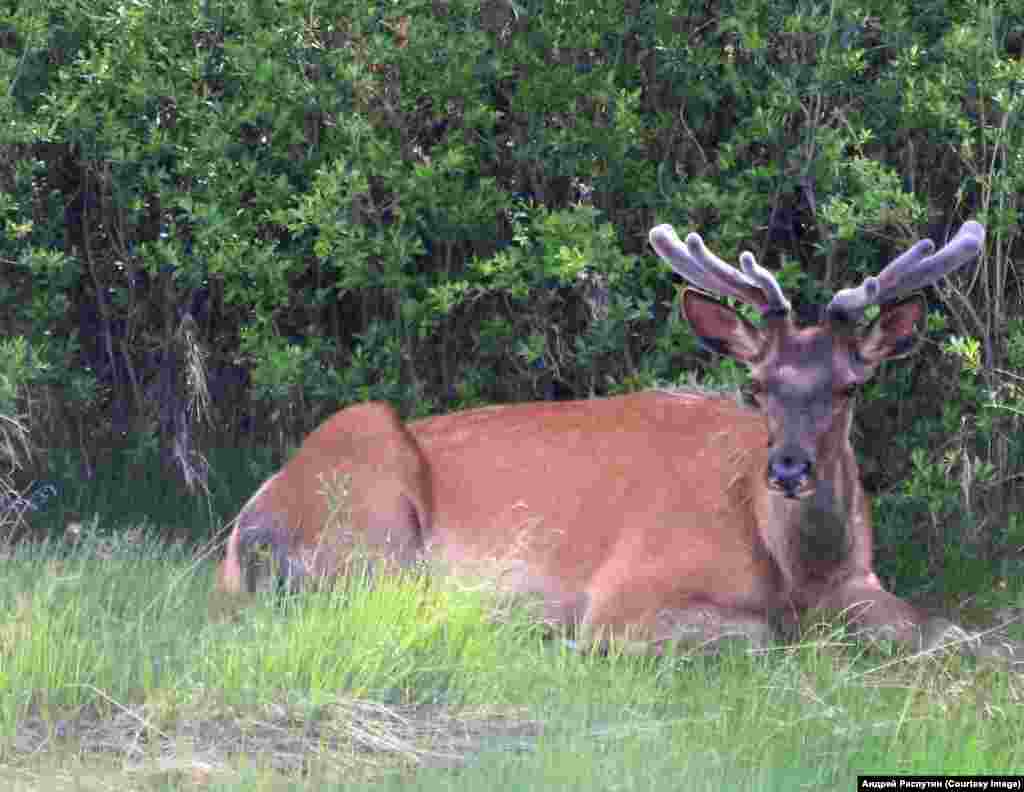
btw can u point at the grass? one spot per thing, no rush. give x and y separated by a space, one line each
116 674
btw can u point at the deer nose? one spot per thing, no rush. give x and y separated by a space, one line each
789 472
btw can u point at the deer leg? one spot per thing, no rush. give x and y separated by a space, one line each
711 627
646 627
872 610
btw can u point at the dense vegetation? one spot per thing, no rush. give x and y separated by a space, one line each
223 221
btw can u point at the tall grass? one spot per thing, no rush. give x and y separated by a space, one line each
114 674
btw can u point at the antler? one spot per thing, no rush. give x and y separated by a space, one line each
913 270
694 262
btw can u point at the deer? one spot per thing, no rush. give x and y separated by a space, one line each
653 517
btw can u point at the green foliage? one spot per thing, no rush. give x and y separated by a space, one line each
14 365
446 204
15 448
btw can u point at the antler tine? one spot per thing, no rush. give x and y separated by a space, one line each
776 299
915 269
699 266
852 302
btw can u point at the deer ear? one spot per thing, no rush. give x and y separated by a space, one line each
720 328
896 332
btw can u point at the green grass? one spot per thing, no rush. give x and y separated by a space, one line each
115 674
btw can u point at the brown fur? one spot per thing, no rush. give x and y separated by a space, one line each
644 515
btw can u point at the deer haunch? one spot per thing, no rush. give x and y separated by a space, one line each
358 482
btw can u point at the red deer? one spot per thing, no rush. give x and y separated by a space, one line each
660 515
